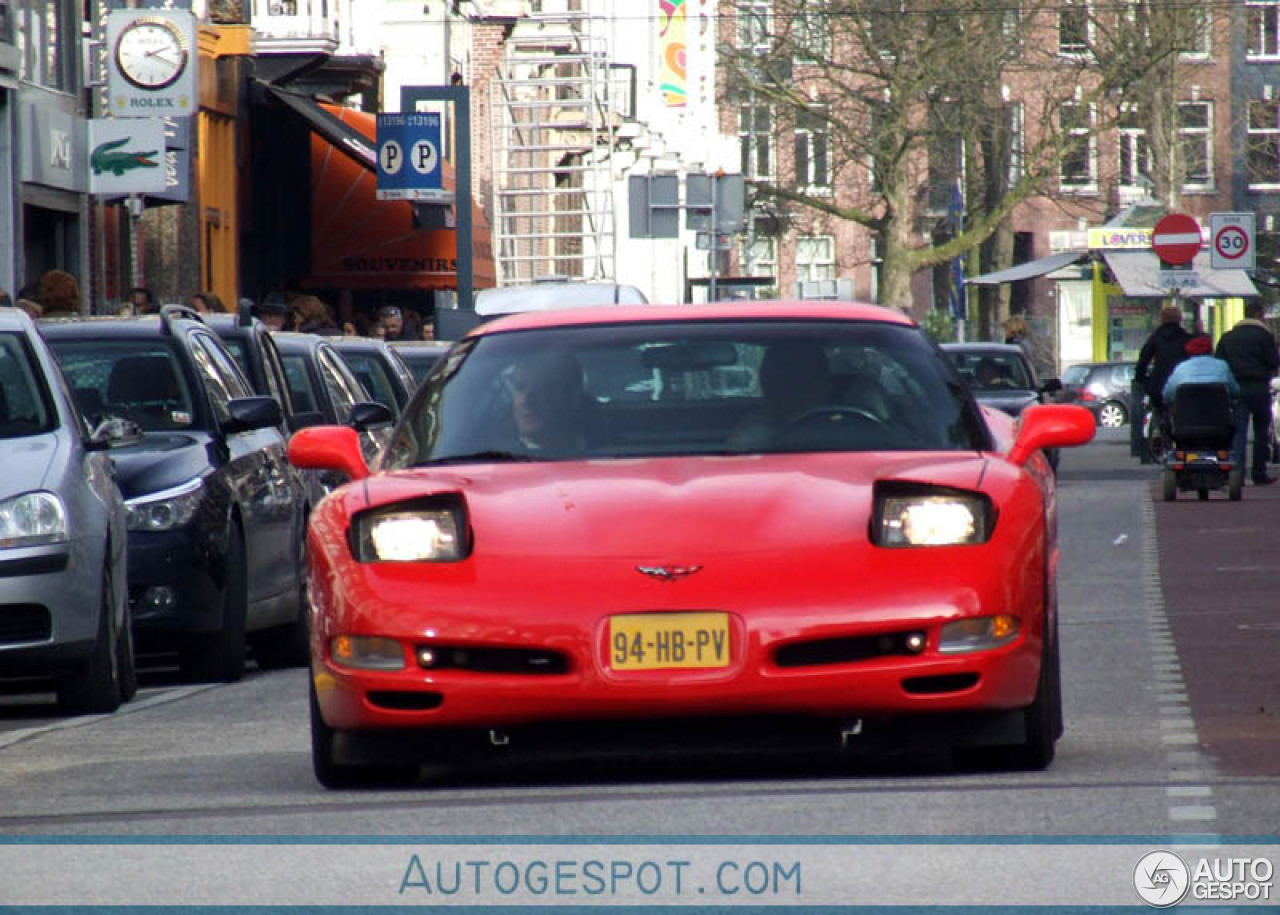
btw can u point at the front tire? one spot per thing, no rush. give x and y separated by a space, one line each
334 775
1169 484
1235 485
1043 717
93 686
220 656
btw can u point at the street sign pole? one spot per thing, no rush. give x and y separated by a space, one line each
712 293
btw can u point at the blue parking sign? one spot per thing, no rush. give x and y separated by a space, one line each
409 157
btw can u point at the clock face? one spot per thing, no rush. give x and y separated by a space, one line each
151 53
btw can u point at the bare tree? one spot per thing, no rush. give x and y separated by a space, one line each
917 95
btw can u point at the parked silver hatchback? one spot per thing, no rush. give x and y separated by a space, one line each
64 612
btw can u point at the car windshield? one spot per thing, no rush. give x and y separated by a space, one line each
992 370
686 388
24 405
139 380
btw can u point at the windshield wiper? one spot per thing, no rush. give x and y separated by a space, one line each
482 457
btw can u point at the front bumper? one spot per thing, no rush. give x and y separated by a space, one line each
49 604
175 582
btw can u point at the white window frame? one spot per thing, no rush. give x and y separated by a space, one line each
815 131
815 258
1273 133
1091 151
1268 13
1201 136
763 256
1017 149
750 133
1084 8
1132 145
811 32
754 25
1204 35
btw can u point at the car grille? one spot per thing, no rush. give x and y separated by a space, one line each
491 660
821 652
25 623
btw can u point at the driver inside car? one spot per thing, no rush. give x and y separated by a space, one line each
795 379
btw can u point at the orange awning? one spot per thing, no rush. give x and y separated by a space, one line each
360 242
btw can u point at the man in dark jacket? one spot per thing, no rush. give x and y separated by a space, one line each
1249 349
1164 349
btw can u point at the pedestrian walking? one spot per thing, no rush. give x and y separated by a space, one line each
1249 348
1164 349
313 317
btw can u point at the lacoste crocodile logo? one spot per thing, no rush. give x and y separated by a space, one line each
109 158
668 573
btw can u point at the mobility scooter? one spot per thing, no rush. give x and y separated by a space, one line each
1202 426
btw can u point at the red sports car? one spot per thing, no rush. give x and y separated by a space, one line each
649 520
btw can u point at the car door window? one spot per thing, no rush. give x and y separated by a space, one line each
24 408
214 384
374 378
233 377
273 369
344 389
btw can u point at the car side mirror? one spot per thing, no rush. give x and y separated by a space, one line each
1043 426
249 413
369 413
328 448
113 432
1051 386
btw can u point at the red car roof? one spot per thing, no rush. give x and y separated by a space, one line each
627 314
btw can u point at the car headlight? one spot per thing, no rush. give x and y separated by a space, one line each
932 518
980 634
31 519
411 534
165 510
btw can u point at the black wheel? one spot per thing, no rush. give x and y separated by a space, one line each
219 657
93 686
1169 484
332 774
288 645
126 659
1235 485
1043 716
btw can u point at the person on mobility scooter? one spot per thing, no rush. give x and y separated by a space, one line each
1200 397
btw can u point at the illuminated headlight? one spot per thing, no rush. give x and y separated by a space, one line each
980 634
951 519
411 535
367 652
163 511
31 519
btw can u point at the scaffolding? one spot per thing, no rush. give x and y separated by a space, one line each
553 137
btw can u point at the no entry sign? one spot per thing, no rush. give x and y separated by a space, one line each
1176 239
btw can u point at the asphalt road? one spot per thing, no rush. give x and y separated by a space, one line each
1169 688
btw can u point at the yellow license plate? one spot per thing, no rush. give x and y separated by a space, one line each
659 641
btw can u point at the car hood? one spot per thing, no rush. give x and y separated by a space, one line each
1011 402
26 462
675 506
161 460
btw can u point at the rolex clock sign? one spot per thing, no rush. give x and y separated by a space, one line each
151 63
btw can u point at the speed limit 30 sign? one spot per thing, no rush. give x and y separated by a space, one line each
1231 241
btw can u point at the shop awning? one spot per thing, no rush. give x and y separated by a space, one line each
1028 271
1136 272
361 242
342 136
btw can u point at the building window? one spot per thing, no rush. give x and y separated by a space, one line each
811 33
282 7
754 19
1200 40
1264 144
812 150
1135 152
763 258
1262 30
1078 169
755 135
1016 150
1195 133
1073 28
46 32
815 258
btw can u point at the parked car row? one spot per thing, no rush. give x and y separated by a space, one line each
148 498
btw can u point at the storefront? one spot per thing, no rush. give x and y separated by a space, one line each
9 271
53 184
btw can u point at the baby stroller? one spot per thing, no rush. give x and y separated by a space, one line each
1202 426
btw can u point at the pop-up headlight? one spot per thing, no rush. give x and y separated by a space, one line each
430 532
926 517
